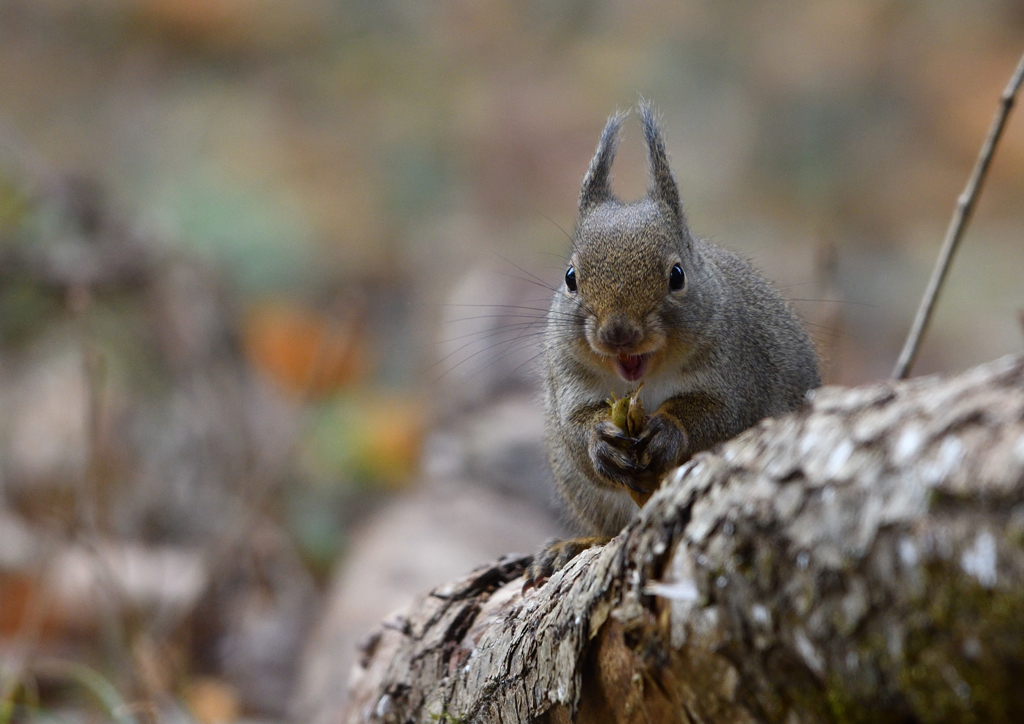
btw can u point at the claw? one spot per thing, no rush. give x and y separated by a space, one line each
553 557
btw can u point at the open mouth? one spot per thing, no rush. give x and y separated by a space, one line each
632 367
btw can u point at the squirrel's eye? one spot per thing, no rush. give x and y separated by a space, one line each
570 279
676 278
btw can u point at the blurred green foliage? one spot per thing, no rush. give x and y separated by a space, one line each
264 246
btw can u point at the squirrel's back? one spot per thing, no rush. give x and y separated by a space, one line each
761 337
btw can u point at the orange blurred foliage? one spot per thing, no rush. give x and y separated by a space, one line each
304 352
17 591
212 701
26 608
200 18
394 437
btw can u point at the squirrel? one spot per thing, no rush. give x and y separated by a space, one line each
713 345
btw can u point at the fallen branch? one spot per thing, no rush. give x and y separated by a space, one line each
861 559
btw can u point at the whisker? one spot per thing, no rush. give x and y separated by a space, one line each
494 316
531 276
556 225
528 361
470 344
502 354
485 334
835 301
500 306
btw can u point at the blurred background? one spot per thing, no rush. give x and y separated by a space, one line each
271 275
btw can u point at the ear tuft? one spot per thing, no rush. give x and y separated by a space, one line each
663 189
597 183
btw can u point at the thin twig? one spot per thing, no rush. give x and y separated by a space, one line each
961 216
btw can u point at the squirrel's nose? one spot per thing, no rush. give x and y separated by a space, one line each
619 333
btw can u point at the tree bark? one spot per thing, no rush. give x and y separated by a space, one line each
859 560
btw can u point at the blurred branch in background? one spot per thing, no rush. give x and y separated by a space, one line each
958 224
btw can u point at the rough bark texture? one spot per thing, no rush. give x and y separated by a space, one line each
859 560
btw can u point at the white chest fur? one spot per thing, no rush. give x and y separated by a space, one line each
656 388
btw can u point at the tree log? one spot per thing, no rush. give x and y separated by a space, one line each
859 560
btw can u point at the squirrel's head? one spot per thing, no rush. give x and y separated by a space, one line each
631 264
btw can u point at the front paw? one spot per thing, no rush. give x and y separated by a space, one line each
661 446
554 556
613 456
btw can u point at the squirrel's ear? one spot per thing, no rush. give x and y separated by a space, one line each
597 183
663 184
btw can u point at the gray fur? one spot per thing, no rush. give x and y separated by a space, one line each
729 350
596 188
663 187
